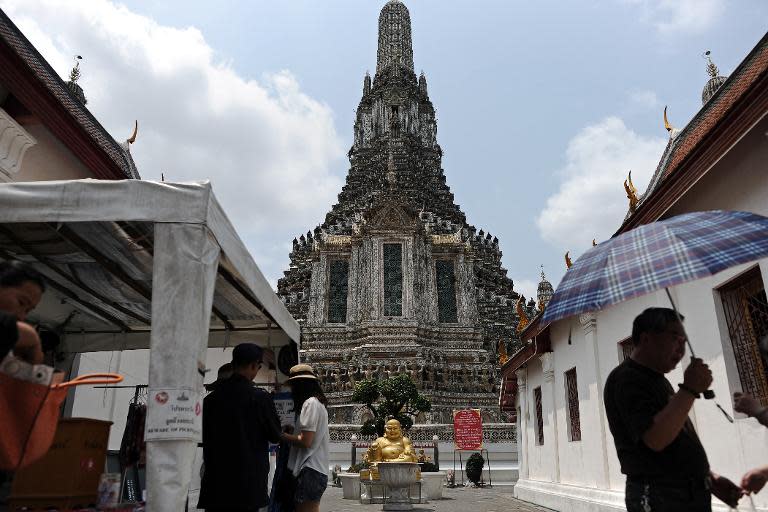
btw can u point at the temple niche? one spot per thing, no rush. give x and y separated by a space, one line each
395 280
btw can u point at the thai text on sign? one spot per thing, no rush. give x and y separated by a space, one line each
468 429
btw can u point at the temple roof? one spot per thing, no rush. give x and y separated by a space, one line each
15 46
684 143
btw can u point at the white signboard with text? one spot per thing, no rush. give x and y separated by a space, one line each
174 414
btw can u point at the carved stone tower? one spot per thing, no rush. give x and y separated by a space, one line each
395 280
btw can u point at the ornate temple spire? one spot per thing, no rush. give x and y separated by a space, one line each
544 291
423 84
72 84
366 83
715 79
395 45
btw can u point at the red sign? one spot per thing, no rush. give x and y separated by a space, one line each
468 429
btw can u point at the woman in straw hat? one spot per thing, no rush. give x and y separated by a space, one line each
309 451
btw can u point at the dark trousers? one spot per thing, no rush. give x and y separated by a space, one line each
668 496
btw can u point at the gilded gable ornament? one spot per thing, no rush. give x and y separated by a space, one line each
523 323
631 191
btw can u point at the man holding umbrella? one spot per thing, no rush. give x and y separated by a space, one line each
666 465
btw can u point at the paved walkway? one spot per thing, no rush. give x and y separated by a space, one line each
461 499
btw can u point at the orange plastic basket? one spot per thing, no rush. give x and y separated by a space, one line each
30 413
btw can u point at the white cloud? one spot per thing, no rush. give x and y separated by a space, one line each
644 98
267 147
680 16
591 202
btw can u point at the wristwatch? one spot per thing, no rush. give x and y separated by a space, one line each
689 390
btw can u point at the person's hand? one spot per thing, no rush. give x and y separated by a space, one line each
28 347
754 480
747 404
725 490
697 376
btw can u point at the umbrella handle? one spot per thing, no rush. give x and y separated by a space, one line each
708 394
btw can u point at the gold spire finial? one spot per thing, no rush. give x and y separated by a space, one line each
631 191
594 243
132 138
668 126
711 68
502 351
568 262
523 322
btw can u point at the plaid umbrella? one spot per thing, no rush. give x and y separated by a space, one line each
656 256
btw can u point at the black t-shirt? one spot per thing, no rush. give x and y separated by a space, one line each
634 394
238 421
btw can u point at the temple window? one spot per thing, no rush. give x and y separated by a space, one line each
572 396
539 416
393 279
625 347
446 291
746 313
338 284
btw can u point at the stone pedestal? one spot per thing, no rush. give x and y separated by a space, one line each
350 485
432 485
398 477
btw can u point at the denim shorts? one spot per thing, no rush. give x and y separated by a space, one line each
310 486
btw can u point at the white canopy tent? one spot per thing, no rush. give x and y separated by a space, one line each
138 264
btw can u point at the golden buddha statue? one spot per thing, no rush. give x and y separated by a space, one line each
393 447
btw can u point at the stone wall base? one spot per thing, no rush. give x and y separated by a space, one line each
574 498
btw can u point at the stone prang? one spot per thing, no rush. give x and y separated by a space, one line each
395 280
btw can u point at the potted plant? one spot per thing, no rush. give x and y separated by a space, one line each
474 469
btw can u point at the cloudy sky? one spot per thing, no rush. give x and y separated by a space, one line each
543 107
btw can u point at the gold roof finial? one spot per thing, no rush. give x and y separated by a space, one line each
523 322
631 191
568 262
132 138
594 243
668 126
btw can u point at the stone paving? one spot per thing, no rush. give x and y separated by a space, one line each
461 499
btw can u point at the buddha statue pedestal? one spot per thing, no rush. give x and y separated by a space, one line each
398 477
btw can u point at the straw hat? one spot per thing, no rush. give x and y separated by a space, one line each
301 371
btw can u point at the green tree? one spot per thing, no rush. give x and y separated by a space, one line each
397 397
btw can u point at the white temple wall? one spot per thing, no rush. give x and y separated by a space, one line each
583 472
586 475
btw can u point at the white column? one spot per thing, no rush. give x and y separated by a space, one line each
186 260
548 368
522 432
597 446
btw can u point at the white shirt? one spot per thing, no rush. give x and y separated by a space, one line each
313 418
